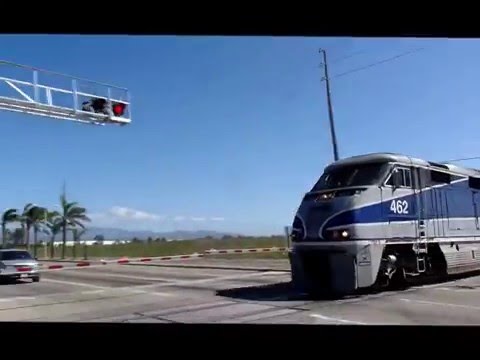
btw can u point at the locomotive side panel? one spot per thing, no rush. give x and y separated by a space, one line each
460 241
368 264
461 257
399 205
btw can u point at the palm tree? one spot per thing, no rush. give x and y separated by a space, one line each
8 234
18 235
72 215
38 219
54 225
30 216
10 215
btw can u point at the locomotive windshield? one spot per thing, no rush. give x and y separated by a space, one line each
351 175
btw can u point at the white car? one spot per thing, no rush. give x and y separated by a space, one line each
18 264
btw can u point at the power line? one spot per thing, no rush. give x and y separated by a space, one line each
326 78
461 159
334 61
376 63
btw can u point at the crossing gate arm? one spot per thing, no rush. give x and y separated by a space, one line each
36 98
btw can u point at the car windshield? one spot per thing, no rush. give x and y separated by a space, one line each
15 255
351 175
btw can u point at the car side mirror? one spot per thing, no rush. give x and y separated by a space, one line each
36 258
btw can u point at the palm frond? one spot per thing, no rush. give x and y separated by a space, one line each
9 215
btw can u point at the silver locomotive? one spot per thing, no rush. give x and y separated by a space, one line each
381 219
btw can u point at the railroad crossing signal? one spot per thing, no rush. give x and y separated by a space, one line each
45 93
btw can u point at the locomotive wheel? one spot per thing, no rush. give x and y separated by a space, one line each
399 279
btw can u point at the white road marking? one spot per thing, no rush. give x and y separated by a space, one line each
409 290
140 291
336 320
93 291
74 283
202 281
261 317
16 298
160 294
140 288
185 308
444 289
167 270
442 284
133 277
175 283
425 302
458 290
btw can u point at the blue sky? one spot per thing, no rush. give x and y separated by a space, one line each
229 132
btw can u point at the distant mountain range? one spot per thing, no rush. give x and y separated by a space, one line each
120 234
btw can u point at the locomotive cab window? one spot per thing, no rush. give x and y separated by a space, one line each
474 183
351 175
400 177
428 178
440 177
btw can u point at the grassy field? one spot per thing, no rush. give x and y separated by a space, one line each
145 249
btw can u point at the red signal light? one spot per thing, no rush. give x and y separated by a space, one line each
118 109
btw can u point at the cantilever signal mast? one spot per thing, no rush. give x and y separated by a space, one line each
40 97
330 107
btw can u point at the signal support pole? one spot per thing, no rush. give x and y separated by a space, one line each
329 103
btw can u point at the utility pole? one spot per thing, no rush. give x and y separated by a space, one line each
329 103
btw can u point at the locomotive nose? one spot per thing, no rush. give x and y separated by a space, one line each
314 213
298 230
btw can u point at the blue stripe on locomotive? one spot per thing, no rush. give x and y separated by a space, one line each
448 201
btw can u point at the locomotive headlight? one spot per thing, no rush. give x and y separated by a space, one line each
338 234
325 196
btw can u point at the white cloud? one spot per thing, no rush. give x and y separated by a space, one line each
124 217
127 213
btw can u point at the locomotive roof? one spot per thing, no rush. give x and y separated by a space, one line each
404 159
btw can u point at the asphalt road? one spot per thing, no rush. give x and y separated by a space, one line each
210 290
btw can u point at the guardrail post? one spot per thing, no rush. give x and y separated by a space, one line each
287 235
85 255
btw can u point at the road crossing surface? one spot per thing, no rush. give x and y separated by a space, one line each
212 290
